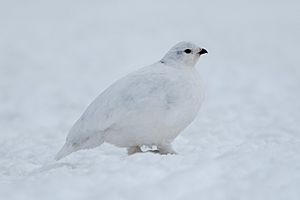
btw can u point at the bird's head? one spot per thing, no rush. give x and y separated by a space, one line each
183 54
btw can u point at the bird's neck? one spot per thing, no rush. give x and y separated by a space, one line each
176 64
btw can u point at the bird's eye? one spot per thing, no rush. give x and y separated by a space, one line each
187 51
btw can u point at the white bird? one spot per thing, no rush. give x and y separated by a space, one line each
148 107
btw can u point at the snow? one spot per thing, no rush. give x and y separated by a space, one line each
57 56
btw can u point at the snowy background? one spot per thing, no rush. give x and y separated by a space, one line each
57 56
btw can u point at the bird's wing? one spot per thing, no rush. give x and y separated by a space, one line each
148 84
144 88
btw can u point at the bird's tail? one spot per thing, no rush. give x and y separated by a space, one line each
65 150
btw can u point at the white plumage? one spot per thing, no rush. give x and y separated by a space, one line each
148 107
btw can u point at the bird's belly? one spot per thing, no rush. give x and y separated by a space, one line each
150 126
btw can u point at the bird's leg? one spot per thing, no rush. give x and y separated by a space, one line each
133 150
165 149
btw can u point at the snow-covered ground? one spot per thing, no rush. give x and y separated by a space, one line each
57 56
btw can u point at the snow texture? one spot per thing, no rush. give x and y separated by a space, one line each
57 56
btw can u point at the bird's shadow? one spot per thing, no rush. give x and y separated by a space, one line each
50 166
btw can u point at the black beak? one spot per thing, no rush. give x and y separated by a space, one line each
203 51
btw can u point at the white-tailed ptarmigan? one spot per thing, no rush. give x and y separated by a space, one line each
148 107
